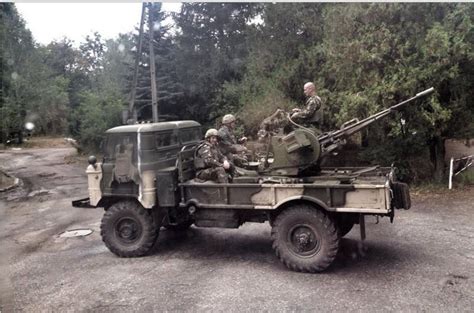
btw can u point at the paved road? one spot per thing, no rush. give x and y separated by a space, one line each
422 262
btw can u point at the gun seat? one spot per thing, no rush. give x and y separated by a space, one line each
185 164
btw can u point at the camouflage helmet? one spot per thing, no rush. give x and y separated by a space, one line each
228 118
211 132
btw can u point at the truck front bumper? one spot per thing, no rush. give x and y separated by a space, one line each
83 203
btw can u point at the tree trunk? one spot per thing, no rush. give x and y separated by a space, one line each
437 157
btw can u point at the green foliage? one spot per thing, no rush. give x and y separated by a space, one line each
363 59
91 54
260 99
388 55
250 59
14 39
97 113
49 112
211 50
30 93
57 87
465 178
116 62
100 107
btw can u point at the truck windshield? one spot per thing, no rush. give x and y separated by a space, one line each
119 143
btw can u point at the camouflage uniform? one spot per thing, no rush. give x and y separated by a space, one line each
208 161
230 148
227 141
311 114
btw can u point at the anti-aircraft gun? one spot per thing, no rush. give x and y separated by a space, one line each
303 149
147 179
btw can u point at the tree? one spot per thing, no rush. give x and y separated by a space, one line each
29 93
364 58
92 52
65 62
117 61
379 54
211 50
284 51
163 49
101 105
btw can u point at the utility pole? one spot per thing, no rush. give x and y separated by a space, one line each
154 100
132 108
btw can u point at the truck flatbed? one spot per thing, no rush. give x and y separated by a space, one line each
334 191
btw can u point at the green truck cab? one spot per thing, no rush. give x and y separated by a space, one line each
146 181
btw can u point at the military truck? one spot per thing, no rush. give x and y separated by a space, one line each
146 181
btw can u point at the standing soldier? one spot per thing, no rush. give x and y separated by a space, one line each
228 144
209 161
311 115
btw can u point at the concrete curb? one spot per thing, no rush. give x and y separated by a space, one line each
16 182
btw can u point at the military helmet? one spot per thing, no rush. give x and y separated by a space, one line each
211 132
228 118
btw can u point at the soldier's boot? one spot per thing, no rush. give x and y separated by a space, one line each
221 175
231 172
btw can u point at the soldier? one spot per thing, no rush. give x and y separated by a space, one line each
311 115
228 142
229 146
209 161
272 124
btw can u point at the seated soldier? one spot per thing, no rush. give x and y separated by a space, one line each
311 115
232 148
209 162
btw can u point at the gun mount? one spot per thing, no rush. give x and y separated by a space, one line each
303 148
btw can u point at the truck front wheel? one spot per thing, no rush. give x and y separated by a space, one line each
128 230
305 239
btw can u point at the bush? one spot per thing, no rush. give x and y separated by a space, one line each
465 178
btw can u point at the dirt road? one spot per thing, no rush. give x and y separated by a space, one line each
422 262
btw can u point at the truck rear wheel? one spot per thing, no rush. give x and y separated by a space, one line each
305 239
128 230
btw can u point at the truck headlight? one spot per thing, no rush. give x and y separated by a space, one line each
92 160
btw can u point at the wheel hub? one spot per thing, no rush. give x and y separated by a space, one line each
304 240
127 230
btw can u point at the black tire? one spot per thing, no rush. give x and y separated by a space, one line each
305 239
128 230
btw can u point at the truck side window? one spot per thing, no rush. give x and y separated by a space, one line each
188 135
166 139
